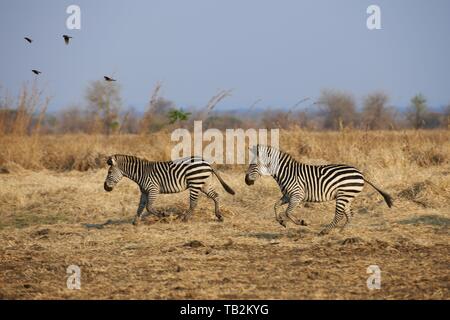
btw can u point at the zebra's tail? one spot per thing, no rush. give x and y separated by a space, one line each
386 196
224 185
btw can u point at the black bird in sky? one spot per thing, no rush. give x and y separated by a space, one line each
28 39
108 78
67 38
36 71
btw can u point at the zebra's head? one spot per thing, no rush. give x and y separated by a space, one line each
114 174
261 164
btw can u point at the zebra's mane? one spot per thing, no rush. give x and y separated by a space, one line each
273 151
123 158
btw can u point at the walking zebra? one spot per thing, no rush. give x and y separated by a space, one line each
301 182
191 173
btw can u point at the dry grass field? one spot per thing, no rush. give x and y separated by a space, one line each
52 205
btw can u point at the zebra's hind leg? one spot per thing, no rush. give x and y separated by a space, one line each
193 199
209 191
341 204
348 216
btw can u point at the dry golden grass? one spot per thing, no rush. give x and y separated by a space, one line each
55 186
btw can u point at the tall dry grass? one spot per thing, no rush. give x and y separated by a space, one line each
368 150
26 114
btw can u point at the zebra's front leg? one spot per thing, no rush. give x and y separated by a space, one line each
146 201
293 203
141 207
283 200
193 199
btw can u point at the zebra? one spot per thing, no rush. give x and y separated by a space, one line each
191 173
309 183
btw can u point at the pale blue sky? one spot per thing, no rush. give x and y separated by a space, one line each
277 51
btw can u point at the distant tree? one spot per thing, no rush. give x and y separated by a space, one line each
130 121
447 110
105 102
446 119
223 121
73 120
375 114
433 120
160 112
156 116
178 115
304 119
418 111
338 108
272 119
153 118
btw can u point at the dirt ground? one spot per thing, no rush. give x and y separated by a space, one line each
50 221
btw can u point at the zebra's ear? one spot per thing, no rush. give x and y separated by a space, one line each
111 161
253 151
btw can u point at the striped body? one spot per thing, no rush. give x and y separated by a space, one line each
169 176
320 183
153 178
301 182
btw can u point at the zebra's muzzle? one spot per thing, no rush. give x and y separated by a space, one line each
248 181
107 188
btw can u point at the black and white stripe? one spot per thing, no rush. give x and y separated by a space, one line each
191 173
301 182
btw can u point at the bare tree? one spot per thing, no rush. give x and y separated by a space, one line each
157 117
129 122
105 102
376 115
222 94
272 119
338 108
150 114
446 120
73 120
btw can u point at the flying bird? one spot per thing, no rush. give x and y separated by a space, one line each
37 72
108 78
67 38
28 39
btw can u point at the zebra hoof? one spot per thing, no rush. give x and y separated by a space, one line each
135 222
323 232
303 223
282 223
219 218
